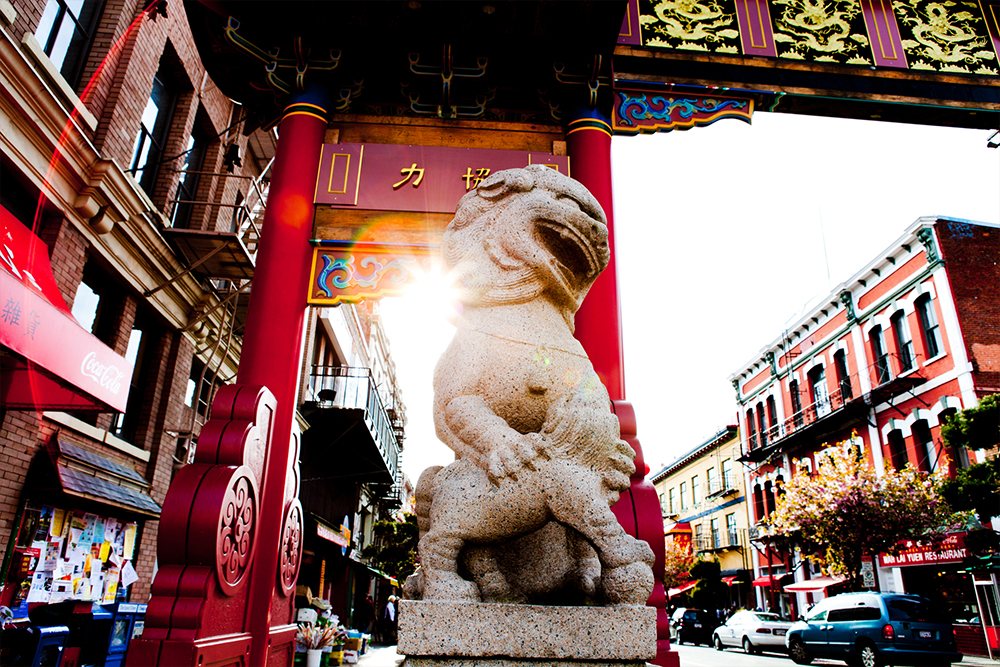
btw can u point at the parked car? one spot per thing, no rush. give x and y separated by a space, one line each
753 630
675 620
695 626
872 629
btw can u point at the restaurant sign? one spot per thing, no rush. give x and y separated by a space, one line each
950 550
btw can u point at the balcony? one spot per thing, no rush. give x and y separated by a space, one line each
836 410
721 486
351 433
721 541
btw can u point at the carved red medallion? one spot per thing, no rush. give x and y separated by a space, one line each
237 527
291 547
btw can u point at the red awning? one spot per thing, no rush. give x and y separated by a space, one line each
729 580
813 585
680 589
766 580
56 364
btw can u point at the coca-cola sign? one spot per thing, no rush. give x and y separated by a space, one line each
106 375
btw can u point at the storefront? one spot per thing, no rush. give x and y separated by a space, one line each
77 530
938 572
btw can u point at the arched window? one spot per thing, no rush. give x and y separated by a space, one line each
769 498
843 377
928 326
897 449
959 456
923 442
793 390
879 355
758 502
904 343
752 427
772 417
820 394
761 426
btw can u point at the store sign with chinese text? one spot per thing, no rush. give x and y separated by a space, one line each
948 551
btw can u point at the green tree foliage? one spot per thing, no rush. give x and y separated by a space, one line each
394 547
677 564
710 592
975 428
848 511
976 488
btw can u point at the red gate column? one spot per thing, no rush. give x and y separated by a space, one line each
273 340
598 328
598 322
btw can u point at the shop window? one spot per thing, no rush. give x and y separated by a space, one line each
793 390
65 32
879 355
924 444
187 187
928 326
843 377
147 151
820 394
897 449
904 343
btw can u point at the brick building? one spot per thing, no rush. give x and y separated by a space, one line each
889 354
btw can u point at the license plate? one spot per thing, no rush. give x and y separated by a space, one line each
697 625
779 632
925 634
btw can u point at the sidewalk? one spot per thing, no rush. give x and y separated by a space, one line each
979 661
380 656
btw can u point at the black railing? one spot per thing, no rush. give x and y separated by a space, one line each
880 373
729 539
722 484
354 388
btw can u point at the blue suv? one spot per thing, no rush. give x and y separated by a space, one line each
873 629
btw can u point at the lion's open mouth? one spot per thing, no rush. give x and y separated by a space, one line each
574 255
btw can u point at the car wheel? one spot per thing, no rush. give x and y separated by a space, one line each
797 650
718 643
748 647
680 637
869 656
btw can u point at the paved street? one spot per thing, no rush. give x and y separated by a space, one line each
703 656
691 656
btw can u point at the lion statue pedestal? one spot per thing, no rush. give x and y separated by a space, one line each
521 557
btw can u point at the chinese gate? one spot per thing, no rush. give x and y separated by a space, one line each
388 113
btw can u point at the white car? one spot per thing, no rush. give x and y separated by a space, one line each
753 630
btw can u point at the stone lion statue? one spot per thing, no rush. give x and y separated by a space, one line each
523 514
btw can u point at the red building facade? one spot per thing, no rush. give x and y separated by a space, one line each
889 355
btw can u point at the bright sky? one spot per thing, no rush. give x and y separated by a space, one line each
725 233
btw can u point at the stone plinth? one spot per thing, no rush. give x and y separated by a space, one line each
470 634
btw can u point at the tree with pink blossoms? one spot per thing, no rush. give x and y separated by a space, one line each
844 510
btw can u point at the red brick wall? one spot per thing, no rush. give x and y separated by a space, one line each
971 255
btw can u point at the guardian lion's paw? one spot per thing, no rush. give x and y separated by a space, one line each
628 584
452 588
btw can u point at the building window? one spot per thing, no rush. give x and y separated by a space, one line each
672 501
959 456
716 537
924 443
731 533
187 188
772 418
65 32
761 426
727 474
758 503
928 326
711 481
684 490
904 343
699 543
694 491
820 394
768 498
752 428
148 149
239 213
793 390
843 377
897 449
878 354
